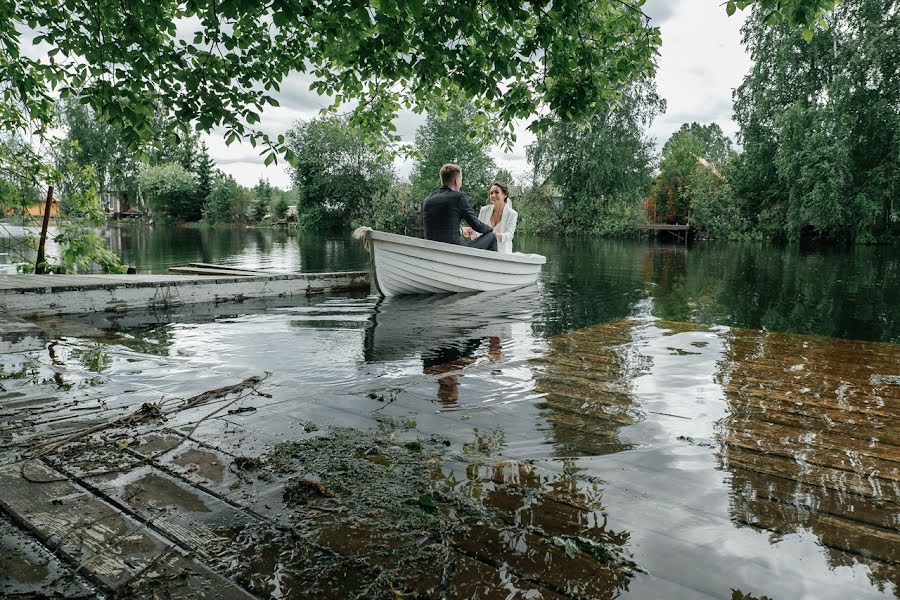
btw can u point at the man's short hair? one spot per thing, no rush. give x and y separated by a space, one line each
449 173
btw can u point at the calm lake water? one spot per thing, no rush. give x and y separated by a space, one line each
727 414
848 293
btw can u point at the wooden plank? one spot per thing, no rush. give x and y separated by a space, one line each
30 570
51 295
207 271
110 547
229 268
192 517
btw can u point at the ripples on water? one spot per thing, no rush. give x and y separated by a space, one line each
637 383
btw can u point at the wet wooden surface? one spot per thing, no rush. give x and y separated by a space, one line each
47 295
806 444
813 442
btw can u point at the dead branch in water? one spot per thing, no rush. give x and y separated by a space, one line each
147 412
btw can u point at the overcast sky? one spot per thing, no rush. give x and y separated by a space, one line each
701 62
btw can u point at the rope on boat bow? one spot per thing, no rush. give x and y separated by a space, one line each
362 233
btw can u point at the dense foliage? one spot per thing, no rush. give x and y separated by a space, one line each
390 209
26 178
715 209
263 199
334 171
95 144
228 202
171 192
204 170
601 169
212 63
693 151
445 138
820 126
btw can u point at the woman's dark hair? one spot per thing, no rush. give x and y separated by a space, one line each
503 189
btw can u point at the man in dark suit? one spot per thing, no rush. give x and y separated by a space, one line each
443 210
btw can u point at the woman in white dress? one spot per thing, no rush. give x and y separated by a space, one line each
499 213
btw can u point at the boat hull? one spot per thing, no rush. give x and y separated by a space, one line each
406 265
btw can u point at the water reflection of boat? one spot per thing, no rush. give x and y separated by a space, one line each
407 265
409 326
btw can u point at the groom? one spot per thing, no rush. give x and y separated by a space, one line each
442 211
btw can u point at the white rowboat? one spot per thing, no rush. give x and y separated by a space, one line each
407 265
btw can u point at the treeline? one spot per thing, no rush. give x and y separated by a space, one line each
820 135
817 155
340 180
820 126
820 129
173 179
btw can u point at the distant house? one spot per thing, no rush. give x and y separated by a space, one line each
663 195
703 162
116 202
37 209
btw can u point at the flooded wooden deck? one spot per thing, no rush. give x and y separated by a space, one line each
43 295
654 480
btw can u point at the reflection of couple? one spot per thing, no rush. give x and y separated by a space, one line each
449 362
492 229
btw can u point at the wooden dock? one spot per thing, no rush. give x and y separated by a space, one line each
680 232
46 295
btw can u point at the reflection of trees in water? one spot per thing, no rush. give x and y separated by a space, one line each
586 379
155 248
812 443
549 528
318 253
846 294
155 339
585 281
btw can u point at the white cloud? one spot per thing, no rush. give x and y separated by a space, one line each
701 62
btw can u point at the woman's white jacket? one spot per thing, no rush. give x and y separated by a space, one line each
505 229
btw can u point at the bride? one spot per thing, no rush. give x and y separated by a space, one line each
499 213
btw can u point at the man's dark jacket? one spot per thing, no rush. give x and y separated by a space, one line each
442 212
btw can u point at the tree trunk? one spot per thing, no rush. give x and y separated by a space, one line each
39 262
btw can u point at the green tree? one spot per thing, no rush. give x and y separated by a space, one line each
838 178
704 141
814 167
504 176
600 170
93 142
204 172
264 195
445 139
512 59
537 213
334 171
390 209
280 207
693 149
715 209
26 176
228 202
171 192
90 143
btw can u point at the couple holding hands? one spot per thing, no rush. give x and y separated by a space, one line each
492 229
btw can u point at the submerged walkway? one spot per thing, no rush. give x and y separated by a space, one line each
629 459
46 295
